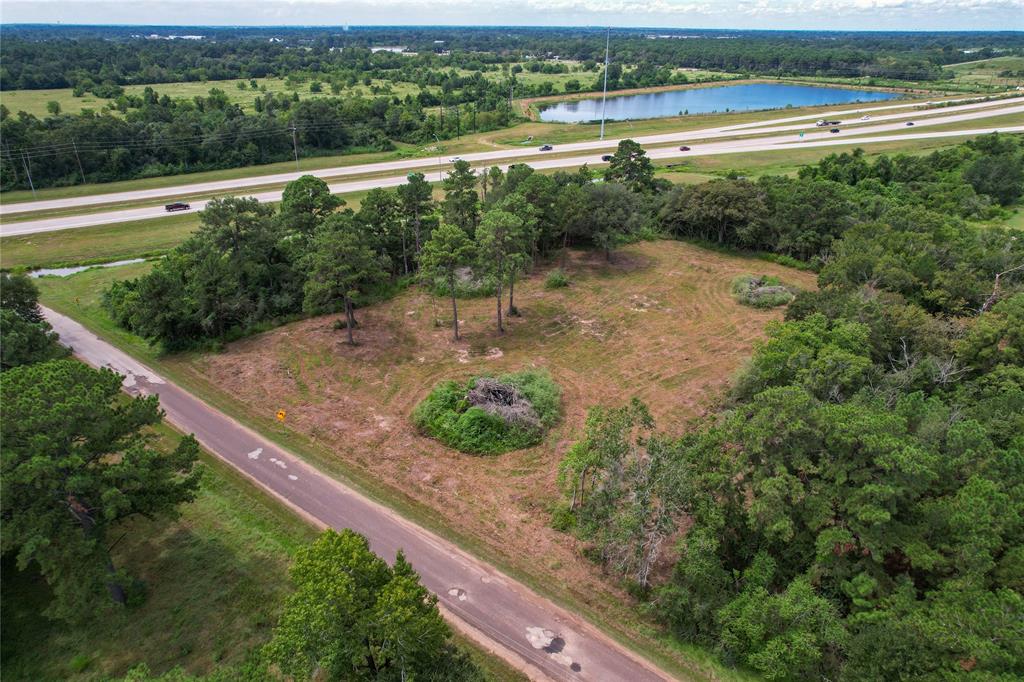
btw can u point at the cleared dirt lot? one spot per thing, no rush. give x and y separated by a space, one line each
658 323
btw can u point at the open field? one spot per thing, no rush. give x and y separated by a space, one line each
34 101
985 72
673 336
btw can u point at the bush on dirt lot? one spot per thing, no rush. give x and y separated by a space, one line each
491 415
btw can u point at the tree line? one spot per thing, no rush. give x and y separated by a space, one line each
248 265
56 57
155 134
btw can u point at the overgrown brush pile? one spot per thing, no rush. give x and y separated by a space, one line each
765 291
491 415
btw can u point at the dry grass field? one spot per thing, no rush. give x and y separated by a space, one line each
658 323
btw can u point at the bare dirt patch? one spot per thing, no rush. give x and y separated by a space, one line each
659 323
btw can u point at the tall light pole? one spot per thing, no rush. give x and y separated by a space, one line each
440 167
604 97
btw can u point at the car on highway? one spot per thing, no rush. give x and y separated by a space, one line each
834 130
546 148
606 157
910 123
865 118
454 159
684 148
177 206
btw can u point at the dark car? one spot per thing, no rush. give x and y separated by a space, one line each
834 130
546 147
910 123
606 157
177 206
684 148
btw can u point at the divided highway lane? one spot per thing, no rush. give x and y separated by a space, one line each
545 640
429 164
773 143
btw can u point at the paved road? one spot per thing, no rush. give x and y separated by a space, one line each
817 138
430 164
553 643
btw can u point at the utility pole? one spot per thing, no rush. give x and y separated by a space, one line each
604 97
81 170
24 162
295 147
458 122
511 92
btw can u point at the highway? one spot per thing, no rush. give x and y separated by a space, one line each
780 137
430 164
536 635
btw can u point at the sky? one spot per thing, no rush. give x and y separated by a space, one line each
886 15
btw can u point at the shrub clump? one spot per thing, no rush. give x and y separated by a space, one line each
491 415
556 279
765 291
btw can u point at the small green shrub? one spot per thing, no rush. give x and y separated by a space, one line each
765 291
80 663
562 518
446 414
556 279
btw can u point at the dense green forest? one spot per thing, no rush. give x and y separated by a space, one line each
856 510
53 57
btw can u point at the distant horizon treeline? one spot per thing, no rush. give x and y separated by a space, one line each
37 57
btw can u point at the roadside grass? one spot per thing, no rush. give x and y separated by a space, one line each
553 331
997 120
99 244
789 160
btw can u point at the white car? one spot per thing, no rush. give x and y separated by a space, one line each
865 118
454 159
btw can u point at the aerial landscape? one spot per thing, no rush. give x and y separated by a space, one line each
505 341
